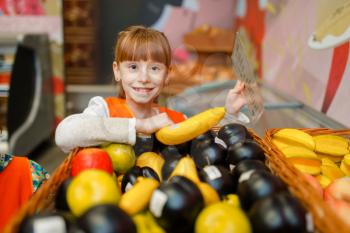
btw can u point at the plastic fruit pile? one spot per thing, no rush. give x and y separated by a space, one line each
204 182
325 161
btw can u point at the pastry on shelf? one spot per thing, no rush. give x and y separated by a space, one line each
208 39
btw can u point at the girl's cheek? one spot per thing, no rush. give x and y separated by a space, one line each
129 78
159 78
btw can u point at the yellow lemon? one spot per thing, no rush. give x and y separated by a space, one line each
89 188
222 218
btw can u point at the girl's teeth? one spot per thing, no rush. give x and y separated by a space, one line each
143 89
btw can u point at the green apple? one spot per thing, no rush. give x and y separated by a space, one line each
90 188
122 155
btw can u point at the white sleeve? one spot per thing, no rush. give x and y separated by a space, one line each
94 127
97 107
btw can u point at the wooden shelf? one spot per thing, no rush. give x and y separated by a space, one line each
81 60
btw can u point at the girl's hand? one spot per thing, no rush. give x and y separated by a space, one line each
153 124
235 99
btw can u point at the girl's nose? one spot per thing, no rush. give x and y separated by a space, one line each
144 77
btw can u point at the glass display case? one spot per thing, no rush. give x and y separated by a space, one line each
280 111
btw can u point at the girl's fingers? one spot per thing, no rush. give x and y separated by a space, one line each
238 87
163 120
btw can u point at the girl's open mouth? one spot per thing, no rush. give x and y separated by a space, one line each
143 89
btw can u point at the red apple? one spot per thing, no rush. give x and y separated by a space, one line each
337 195
91 158
314 183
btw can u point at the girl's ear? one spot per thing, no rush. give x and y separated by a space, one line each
116 71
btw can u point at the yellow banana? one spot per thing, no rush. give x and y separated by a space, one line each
186 167
140 222
328 162
295 137
335 159
209 194
190 128
145 223
324 181
331 170
300 152
305 160
280 144
345 165
307 165
331 144
138 197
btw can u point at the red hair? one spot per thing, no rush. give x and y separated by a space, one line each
137 43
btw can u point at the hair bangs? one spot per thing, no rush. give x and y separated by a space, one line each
144 45
158 52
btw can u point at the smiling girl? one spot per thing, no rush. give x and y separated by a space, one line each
141 66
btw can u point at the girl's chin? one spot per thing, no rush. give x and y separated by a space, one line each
143 99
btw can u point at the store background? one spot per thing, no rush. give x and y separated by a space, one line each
32 16
83 32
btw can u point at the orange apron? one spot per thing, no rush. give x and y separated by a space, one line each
15 188
119 108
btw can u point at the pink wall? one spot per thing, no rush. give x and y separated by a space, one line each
319 78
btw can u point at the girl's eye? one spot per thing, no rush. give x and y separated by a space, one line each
133 67
155 68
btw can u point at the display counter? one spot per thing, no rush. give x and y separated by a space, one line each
280 110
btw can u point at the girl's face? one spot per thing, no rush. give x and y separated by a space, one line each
142 81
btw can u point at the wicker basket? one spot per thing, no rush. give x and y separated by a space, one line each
44 199
325 219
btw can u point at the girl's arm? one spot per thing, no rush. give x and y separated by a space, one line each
82 130
94 127
152 124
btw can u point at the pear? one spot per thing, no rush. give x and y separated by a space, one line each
187 168
152 160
